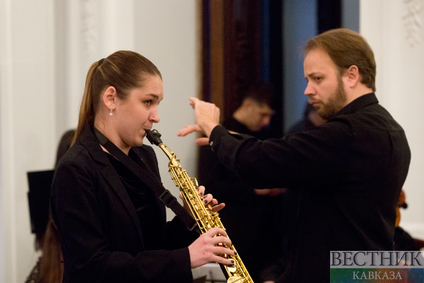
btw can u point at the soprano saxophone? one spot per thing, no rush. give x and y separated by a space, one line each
206 218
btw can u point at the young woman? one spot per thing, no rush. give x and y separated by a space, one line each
113 227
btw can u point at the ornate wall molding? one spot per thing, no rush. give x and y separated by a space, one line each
413 21
89 29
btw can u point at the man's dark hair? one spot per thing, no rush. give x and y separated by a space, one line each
262 93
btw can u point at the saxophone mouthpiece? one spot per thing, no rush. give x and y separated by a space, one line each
154 137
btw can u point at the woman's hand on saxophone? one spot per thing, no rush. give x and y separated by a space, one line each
208 199
210 247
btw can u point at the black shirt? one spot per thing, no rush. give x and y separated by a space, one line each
352 169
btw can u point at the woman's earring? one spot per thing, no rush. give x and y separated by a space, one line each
111 114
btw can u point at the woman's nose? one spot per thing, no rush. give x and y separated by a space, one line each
154 116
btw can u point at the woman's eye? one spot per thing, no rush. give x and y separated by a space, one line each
148 102
318 79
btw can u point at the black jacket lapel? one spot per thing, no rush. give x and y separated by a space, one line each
109 174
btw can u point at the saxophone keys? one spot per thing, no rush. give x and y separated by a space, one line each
231 268
235 279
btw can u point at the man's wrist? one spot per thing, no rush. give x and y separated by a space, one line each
208 127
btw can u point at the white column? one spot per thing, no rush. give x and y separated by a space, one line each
395 31
27 123
94 29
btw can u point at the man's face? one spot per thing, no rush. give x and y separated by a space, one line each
325 87
259 116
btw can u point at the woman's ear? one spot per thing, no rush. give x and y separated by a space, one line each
109 97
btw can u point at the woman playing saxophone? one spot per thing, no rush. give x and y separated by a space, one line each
112 225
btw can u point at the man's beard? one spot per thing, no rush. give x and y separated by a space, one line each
335 103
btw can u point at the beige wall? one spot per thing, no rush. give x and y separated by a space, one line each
395 31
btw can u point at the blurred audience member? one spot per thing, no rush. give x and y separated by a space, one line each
49 267
310 120
403 241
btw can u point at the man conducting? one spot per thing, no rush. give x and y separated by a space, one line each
350 169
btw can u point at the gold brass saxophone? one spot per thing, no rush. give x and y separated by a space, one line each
206 218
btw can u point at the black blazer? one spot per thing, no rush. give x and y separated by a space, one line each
101 235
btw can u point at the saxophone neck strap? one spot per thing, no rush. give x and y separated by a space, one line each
144 173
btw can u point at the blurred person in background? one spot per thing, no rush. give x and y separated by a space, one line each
246 207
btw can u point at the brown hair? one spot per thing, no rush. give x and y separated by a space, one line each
347 48
124 70
51 261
